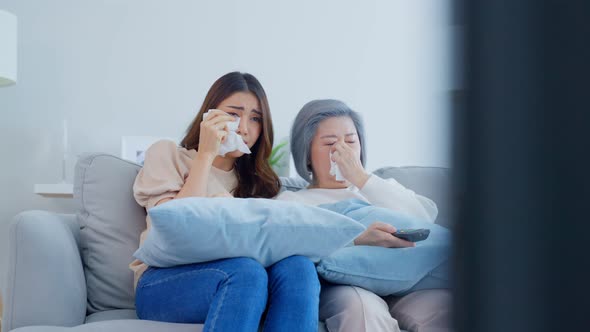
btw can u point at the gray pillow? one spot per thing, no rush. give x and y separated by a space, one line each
292 183
110 223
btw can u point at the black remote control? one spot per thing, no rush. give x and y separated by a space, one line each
412 235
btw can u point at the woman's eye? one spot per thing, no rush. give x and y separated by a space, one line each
330 144
233 114
350 142
256 119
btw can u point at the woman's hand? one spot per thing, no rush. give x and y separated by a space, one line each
213 133
349 163
380 234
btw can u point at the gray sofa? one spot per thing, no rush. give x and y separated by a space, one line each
70 272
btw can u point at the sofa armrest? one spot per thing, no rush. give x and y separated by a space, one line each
45 282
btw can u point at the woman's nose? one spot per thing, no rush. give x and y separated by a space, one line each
243 127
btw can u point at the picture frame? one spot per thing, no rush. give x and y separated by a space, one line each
133 147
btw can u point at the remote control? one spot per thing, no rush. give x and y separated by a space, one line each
412 235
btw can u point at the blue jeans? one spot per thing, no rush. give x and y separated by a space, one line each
232 294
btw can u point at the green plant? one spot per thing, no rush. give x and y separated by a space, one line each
277 153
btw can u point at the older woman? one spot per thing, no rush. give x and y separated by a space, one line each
327 133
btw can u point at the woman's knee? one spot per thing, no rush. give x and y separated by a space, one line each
297 272
296 262
337 299
243 270
354 308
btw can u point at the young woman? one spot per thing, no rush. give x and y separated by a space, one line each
228 294
326 132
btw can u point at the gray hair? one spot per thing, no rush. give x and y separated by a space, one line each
305 127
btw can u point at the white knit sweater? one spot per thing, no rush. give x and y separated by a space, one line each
388 194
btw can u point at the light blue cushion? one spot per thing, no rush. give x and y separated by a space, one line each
195 230
388 271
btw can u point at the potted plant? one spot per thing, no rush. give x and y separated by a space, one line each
279 158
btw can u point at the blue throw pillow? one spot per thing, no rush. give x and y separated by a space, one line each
195 230
388 271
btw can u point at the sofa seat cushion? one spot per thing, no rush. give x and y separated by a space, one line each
126 325
111 315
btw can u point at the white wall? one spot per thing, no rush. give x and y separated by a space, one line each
137 67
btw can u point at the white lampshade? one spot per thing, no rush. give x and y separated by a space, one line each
7 48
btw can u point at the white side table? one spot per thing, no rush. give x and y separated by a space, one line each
55 190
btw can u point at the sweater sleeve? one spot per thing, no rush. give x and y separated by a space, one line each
392 195
161 176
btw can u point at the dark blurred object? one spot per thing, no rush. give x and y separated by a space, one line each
522 141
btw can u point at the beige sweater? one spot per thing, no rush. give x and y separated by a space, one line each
164 172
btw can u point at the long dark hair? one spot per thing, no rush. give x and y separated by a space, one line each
256 178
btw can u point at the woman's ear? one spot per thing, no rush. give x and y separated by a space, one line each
310 171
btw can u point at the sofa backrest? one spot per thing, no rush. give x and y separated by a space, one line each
111 220
110 223
432 182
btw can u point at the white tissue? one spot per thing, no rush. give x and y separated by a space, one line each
334 170
233 141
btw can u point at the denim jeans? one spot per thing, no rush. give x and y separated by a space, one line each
232 294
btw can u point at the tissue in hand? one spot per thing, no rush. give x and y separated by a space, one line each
233 141
334 170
